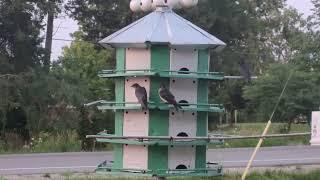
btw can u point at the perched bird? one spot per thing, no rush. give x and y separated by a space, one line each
244 70
166 96
141 95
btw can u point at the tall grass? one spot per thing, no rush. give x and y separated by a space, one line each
56 142
42 143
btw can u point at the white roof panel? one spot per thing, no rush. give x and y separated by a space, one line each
162 26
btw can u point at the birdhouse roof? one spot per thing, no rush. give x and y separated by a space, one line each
162 27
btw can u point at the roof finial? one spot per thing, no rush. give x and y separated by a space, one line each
149 5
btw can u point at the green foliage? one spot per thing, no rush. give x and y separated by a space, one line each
67 141
20 26
300 96
83 62
101 18
58 142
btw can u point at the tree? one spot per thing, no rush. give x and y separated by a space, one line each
260 32
100 18
20 26
300 97
83 61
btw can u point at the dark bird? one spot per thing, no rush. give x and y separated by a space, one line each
166 96
141 95
245 70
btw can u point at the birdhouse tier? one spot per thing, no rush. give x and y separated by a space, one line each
188 80
162 27
158 140
135 106
212 169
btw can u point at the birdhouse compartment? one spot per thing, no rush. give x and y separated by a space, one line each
135 157
183 58
130 91
185 90
136 123
138 59
182 122
180 157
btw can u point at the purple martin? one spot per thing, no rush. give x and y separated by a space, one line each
166 96
245 71
141 95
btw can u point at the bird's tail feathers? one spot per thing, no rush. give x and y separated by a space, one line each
177 106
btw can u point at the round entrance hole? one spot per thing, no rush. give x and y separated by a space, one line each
181 166
184 103
184 71
182 134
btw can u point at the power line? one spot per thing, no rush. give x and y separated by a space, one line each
71 40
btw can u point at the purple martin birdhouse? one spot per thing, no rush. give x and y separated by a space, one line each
161 94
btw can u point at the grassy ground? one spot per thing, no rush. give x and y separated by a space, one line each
47 143
257 128
266 175
44 142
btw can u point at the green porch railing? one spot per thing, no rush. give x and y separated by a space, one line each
161 73
212 169
155 140
107 105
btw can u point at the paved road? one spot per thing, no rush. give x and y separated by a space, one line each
82 162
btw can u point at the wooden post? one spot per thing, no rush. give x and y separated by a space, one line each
255 151
48 42
220 118
235 117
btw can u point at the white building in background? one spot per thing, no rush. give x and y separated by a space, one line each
315 128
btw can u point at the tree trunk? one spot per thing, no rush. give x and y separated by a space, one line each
235 117
289 125
231 118
220 119
48 43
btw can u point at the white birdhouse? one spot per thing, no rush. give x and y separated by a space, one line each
146 5
135 5
188 3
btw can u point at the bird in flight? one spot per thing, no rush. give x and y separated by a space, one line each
141 95
166 96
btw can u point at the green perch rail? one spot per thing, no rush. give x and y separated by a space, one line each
107 105
212 169
218 76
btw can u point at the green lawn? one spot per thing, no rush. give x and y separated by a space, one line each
267 175
247 129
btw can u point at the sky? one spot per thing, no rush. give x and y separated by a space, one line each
63 26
